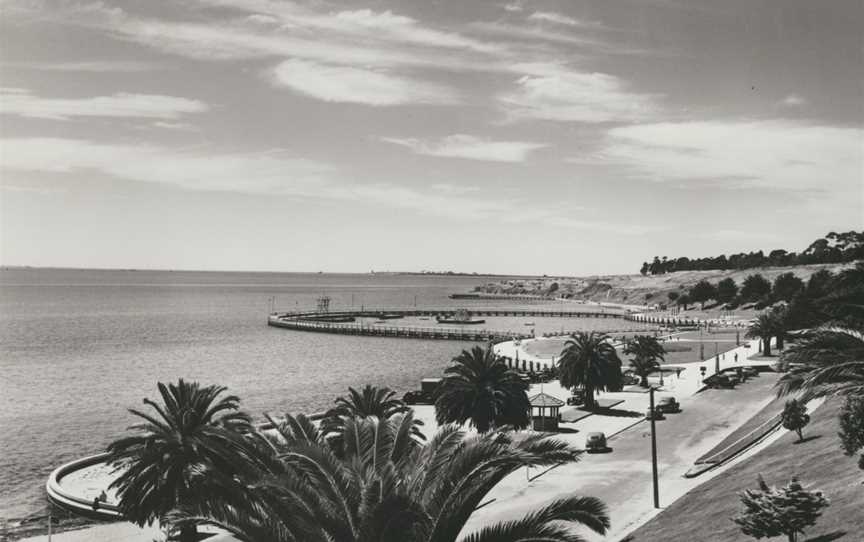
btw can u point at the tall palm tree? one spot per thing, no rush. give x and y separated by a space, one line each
480 388
763 327
179 456
589 361
825 361
390 487
647 352
369 401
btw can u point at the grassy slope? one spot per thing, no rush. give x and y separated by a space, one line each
703 514
633 288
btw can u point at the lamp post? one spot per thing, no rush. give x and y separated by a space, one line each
654 452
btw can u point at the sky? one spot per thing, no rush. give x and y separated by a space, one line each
570 137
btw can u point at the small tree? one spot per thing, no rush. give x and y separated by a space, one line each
786 286
852 427
702 292
672 296
795 417
684 300
785 511
755 287
726 290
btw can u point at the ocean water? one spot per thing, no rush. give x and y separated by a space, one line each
79 347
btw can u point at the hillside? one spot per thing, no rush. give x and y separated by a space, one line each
639 289
705 512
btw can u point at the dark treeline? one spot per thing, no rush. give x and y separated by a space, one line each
833 248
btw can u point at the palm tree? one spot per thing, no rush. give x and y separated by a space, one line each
646 351
589 361
825 361
370 401
480 388
182 456
390 487
763 327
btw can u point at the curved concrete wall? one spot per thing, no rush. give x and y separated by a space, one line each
59 496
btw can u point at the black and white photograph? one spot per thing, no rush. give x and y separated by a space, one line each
431 270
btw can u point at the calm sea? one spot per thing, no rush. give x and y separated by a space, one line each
79 347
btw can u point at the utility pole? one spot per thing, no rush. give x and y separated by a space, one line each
654 453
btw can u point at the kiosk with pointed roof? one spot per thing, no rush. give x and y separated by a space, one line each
544 411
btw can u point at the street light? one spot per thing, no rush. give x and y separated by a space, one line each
654 452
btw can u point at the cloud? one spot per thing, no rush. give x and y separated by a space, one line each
265 173
358 85
793 100
783 154
513 7
555 92
469 147
550 17
22 103
95 66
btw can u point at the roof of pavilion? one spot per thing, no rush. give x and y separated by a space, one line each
545 400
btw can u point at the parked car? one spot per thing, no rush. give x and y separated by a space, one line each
655 414
576 399
417 397
596 442
668 405
750 371
718 381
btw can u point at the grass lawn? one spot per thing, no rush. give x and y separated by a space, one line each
757 425
704 513
688 351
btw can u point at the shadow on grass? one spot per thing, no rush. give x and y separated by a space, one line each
615 412
807 439
836 535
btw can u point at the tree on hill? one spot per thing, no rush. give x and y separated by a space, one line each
590 361
702 291
479 388
818 284
727 289
684 300
672 296
775 511
787 286
852 427
644 269
795 417
755 288
647 352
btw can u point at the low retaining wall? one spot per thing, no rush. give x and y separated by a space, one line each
74 503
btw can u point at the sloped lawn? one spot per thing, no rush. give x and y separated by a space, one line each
704 513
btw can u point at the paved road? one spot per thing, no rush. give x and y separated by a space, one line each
622 479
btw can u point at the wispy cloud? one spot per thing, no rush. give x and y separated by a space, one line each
746 153
793 100
22 103
513 7
555 92
469 147
551 17
358 85
275 173
96 66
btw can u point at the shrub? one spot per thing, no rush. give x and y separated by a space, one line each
785 511
795 417
852 427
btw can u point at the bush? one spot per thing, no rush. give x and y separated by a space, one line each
795 417
852 427
785 511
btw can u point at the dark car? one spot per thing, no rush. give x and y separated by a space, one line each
655 414
719 381
417 398
668 405
596 442
750 371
